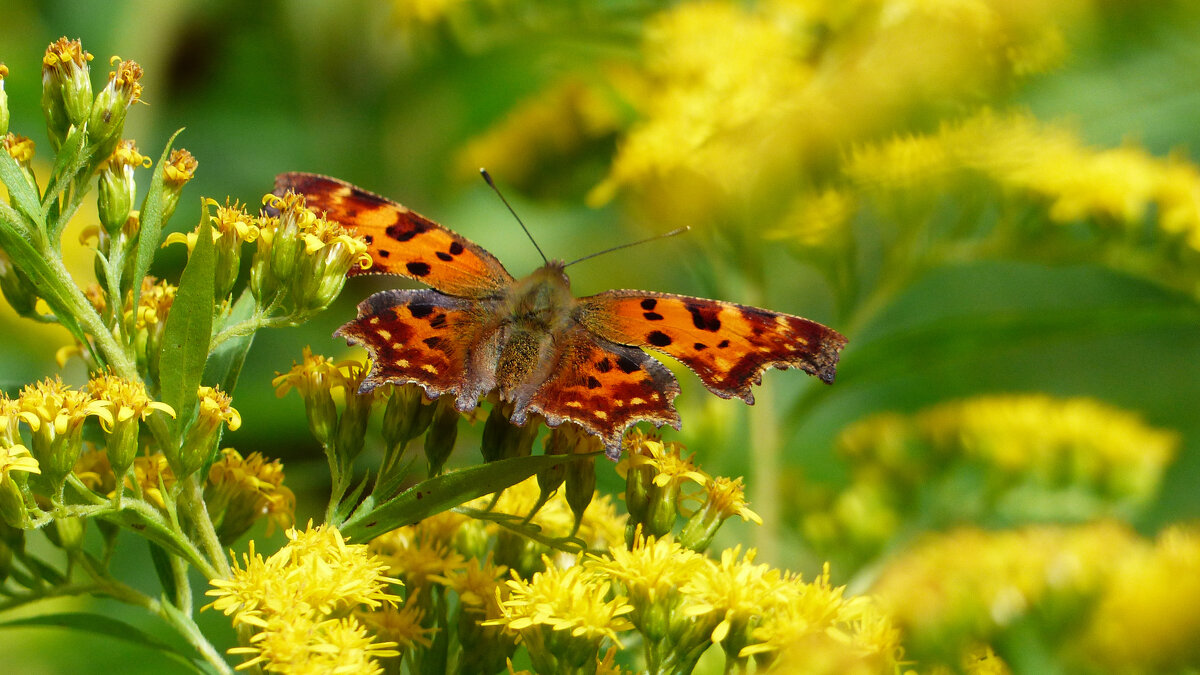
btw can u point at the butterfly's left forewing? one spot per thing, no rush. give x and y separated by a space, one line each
400 240
727 345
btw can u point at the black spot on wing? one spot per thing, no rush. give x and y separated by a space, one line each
456 248
658 338
418 269
604 365
649 304
384 253
444 256
705 318
404 231
438 321
593 383
699 346
722 344
420 311
652 316
627 365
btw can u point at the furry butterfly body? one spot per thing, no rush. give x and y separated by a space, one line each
546 352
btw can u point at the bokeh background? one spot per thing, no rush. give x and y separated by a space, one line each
997 202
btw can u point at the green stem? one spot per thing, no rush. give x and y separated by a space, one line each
193 504
88 320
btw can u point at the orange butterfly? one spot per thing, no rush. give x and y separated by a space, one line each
545 351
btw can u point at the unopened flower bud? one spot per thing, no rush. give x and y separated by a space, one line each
180 168
66 88
107 120
443 432
117 186
201 441
3 101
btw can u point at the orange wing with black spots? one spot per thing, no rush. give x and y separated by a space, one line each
400 240
604 388
420 336
727 345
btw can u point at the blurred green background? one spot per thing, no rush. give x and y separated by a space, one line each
603 126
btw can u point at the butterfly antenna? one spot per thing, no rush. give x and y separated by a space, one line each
488 177
656 237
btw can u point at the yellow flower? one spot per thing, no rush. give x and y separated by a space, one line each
16 458
240 490
419 553
562 616
735 591
130 404
215 410
952 591
315 576
66 88
297 643
400 626
57 440
1147 618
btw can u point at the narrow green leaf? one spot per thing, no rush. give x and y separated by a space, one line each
104 626
152 222
22 194
50 287
447 491
188 332
66 164
225 364
162 569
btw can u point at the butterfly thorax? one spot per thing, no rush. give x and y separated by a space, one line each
532 313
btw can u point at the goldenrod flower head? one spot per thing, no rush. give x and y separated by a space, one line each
735 591
66 88
152 475
955 590
723 498
476 585
655 475
95 471
180 168
652 575
316 573
1146 618
154 303
330 250
240 490
117 188
61 411
129 404
215 411
401 626
562 616
421 552
12 413
15 461
305 644
112 103
814 628
315 377
19 147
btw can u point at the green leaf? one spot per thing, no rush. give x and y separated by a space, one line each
22 194
447 491
50 286
225 364
107 627
66 164
188 332
162 569
150 236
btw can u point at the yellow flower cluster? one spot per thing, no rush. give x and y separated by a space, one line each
296 601
1037 454
1124 604
1046 162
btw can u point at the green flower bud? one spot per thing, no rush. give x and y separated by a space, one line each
117 187
3 101
406 416
180 168
107 120
12 507
200 444
443 432
503 439
17 288
66 88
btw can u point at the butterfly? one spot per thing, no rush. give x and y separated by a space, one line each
477 329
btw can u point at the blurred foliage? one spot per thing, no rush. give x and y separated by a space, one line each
997 202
